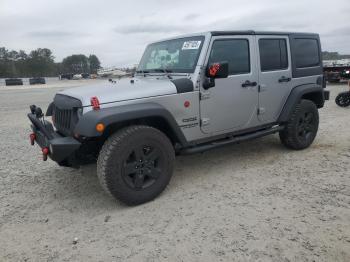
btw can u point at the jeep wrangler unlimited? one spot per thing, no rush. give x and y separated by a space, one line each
188 95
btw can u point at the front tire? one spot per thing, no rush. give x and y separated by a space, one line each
302 127
135 164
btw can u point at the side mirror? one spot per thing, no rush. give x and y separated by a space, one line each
217 70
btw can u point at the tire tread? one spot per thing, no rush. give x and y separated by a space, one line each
113 143
287 136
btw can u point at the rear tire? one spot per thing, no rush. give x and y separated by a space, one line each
135 164
302 127
343 99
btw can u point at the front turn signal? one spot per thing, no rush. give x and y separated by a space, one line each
100 127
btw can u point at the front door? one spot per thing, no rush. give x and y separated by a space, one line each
232 103
274 76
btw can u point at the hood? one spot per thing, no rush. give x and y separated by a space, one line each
122 90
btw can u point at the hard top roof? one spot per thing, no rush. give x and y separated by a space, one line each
252 32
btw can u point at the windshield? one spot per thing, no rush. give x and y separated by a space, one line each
177 55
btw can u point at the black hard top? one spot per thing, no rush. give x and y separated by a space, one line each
252 32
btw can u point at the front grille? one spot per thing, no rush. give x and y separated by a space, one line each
65 114
63 119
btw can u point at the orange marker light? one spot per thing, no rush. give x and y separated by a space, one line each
100 127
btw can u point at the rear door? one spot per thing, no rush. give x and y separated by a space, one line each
275 75
228 105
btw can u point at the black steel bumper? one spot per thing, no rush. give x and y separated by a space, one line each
59 148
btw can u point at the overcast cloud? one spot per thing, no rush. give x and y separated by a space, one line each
118 31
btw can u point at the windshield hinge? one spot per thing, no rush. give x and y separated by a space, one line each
204 95
261 110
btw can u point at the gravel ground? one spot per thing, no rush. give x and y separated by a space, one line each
255 201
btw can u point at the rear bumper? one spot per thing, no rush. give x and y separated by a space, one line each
60 148
326 94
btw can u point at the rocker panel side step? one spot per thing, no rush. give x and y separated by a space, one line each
232 140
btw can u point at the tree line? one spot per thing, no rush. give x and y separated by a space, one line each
333 56
40 62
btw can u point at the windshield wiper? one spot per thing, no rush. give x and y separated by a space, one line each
142 71
163 70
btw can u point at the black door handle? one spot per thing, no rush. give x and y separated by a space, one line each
284 79
248 83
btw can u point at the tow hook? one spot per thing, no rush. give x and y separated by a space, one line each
32 138
45 151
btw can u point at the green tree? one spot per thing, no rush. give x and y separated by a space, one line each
22 63
3 62
333 56
94 64
41 62
75 64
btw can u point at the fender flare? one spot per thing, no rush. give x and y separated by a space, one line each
294 97
86 125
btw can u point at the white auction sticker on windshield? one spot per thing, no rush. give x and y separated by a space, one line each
191 45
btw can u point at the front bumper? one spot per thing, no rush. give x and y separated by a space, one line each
59 148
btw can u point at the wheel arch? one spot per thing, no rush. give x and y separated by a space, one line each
114 118
316 97
312 92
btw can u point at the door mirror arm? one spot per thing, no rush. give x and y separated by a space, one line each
208 83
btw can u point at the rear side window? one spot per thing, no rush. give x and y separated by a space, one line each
235 52
307 53
273 54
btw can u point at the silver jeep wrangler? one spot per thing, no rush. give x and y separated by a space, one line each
189 94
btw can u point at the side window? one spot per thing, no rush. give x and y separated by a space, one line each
235 52
307 53
273 54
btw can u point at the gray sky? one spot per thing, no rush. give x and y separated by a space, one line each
118 31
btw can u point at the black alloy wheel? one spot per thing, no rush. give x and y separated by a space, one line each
306 126
142 167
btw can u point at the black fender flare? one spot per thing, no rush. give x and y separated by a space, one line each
86 125
294 97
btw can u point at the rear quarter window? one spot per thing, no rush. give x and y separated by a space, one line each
307 53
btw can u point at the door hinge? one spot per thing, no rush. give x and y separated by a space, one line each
261 110
204 95
205 121
262 88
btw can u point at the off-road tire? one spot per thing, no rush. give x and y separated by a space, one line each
122 153
302 127
343 99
